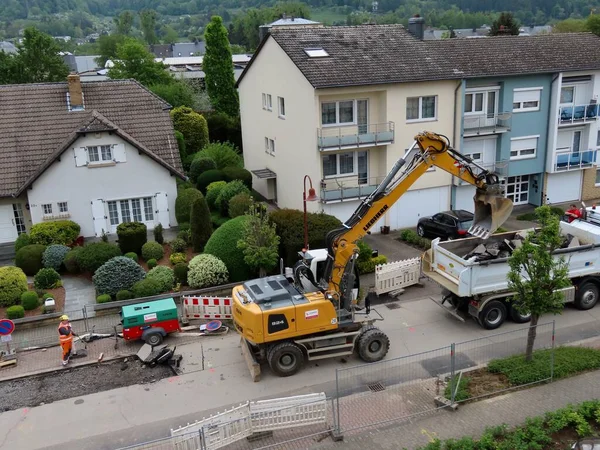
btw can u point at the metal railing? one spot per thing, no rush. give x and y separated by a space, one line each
566 159
500 168
578 114
353 136
348 188
486 123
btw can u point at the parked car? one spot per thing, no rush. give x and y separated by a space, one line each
446 225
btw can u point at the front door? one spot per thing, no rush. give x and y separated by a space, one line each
517 189
8 230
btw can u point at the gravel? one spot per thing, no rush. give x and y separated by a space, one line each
76 382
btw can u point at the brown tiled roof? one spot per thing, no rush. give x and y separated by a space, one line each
383 54
36 126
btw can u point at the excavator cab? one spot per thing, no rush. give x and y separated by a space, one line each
491 211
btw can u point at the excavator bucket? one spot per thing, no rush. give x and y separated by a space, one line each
491 211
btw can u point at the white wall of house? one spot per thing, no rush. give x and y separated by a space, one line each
14 218
87 187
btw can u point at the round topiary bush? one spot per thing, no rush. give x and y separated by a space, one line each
71 262
46 279
151 263
224 154
22 240
117 274
54 256
29 258
94 255
237 173
124 295
183 205
178 245
223 245
199 166
132 255
104 298
208 177
229 191
13 282
152 250
206 271
177 258
164 275
239 204
212 193
180 271
15 312
132 236
146 288
56 232
29 300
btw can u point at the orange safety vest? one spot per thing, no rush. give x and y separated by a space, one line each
65 338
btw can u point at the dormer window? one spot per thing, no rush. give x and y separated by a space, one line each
316 52
99 153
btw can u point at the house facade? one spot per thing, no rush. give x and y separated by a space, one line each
98 153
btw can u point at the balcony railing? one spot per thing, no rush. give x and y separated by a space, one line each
500 168
348 188
354 136
486 123
566 159
578 114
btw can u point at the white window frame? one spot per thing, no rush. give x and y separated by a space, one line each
62 210
281 107
421 118
47 209
269 146
337 164
144 213
337 112
484 104
100 152
527 156
512 195
522 108
267 102
568 86
472 156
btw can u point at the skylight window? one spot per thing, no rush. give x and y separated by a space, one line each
316 52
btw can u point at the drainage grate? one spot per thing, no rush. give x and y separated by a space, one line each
377 387
392 305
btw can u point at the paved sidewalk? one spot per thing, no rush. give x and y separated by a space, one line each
472 419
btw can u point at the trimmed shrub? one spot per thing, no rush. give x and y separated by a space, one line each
181 145
180 271
183 205
104 298
29 300
22 240
208 177
557 211
223 245
365 252
57 232
71 261
46 296
217 220
46 279
13 282
164 275
212 193
117 274
94 255
54 256
185 226
224 128
158 234
368 266
193 126
229 191
132 255
178 246
185 236
224 154
15 312
29 258
132 236
183 185
124 295
237 173
206 270
239 204
201 228
146 288
152 250
177 258
151 263
199 166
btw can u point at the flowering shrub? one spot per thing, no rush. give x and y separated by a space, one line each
177 258
207 270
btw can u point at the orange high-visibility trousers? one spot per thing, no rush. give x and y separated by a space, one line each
66 350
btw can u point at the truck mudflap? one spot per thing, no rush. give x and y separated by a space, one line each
446 304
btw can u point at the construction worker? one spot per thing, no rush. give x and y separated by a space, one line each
65 334
573 213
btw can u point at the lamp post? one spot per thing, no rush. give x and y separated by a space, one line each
312 196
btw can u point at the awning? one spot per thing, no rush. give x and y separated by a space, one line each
265 174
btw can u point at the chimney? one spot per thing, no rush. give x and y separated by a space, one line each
416 26
75 94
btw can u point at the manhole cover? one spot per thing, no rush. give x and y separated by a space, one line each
377 387
392 305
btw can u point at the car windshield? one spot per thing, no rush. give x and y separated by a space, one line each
465 224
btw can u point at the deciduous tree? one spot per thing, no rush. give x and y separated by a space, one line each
260 241
124 23
135 61
148 19
593 24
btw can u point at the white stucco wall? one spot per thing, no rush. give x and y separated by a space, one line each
8 226
139 176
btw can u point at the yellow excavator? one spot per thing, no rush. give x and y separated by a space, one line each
284 324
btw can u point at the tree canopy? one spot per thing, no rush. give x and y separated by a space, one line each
135 61
505 25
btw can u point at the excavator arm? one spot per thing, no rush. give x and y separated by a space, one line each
429 149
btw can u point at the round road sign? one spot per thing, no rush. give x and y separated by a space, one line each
213 325
6 327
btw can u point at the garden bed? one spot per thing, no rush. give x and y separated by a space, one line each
58 294
164 261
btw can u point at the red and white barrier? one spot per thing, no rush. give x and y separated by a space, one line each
207 307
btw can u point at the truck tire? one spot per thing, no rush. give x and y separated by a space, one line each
493 315
517 317
285 359
587 296
155 338
373 345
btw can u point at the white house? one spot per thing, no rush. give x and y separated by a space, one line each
97 153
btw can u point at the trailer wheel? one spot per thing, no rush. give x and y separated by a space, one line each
153 339
493 315
285 359
587 296
517 317
373 345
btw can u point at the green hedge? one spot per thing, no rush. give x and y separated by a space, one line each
229 191
207 178
94 255
13 283
46 279
165 277
151 263
212 193
30 300
369 265
146 288
22 240
132 236
237 173
117 274
124 295
411 237
71 260
183 204
180 271
240 204
29 258
199 166
57 232
15 312
201 228
103 298
178 245
224 154
132 255
223 245
152 250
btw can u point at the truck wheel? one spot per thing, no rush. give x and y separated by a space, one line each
493 315
587 296
517 317
373 345
153 339
285 359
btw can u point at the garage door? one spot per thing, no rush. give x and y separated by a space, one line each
464 198
563 187
342 210
419 203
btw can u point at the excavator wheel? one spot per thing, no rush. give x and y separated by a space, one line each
285 358
373 345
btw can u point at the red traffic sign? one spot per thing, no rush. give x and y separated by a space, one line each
7 326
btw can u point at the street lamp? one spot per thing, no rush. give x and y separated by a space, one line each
312 196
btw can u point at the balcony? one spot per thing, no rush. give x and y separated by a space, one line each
348 188
565 159
482 124
500 168
355 136
578 114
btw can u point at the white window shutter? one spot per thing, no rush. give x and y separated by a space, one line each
81 157
162 210
99 216
119 152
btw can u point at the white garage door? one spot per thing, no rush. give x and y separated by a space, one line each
341 210
563 187
415 204
464 198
